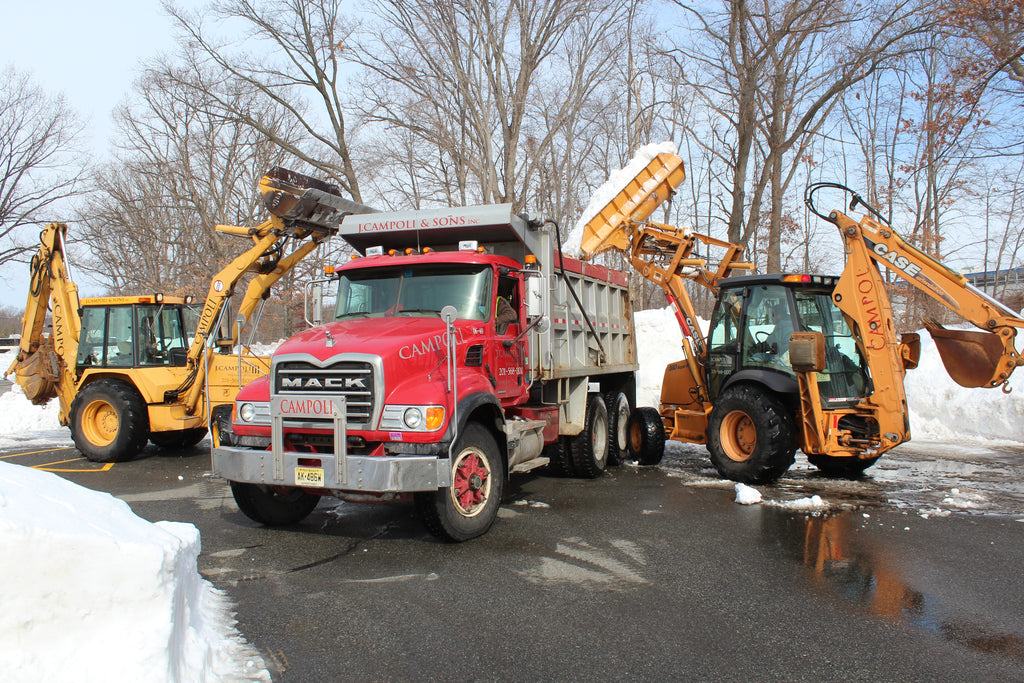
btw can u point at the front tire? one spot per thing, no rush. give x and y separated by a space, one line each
180 438
469 507
645 436
843 468
751 436
589 448
109 421
273 506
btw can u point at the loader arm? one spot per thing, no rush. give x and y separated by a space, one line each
304 211
45 365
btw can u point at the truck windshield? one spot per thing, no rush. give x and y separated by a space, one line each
414 291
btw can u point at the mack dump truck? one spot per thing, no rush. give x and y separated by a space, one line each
464 347
794 359
127 369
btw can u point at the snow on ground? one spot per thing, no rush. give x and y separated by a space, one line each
71 556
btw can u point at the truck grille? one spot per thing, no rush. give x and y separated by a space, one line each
351 379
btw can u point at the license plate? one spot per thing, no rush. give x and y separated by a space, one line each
309 476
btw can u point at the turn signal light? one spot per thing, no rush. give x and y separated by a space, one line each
435 416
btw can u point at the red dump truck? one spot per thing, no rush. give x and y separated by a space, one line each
463 347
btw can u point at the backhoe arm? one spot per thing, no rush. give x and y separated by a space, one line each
982 358
45 365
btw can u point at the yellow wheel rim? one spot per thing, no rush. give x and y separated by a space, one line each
739 436
99 423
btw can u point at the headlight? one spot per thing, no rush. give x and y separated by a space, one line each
246 412
412 418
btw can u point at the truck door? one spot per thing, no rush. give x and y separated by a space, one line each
509 355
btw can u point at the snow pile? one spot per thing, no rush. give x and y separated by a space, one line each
942 410
92 592
658 343
604 194
747 495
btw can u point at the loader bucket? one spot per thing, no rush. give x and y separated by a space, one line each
635 202
971 357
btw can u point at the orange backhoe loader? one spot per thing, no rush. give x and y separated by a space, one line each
127 369
793 360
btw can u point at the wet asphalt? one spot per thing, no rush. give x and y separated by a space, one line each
642 574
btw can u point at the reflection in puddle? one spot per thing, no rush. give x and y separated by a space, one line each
822 544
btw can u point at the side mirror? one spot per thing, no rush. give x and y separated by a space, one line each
807 351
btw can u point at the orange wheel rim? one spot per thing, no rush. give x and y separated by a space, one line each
739 436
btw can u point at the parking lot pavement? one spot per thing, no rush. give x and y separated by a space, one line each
638 575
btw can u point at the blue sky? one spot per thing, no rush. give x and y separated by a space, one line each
90 52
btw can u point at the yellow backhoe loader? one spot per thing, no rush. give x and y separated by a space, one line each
793 360
130 368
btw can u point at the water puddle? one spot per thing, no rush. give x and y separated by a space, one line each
825 546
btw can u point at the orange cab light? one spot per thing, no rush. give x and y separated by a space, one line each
796 278
409 251
328 270
427 250
353 257
479 250
391 252
530 259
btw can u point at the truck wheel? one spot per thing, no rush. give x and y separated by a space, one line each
109 421
845 468
618 421
179 438
645 436
273 506
751 437
468 508
589 448
559 458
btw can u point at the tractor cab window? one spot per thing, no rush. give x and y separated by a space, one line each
845 378
158 333
769 324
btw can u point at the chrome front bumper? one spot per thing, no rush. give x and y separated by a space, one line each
339 472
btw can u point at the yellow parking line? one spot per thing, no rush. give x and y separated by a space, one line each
45 468
48 450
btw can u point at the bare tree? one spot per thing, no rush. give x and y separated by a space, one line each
773 72
287 52
40 158
494 88
177 173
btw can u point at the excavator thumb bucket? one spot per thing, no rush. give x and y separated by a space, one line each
971 357
635 202
291 195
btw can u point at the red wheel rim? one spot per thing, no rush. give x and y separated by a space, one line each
471 483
